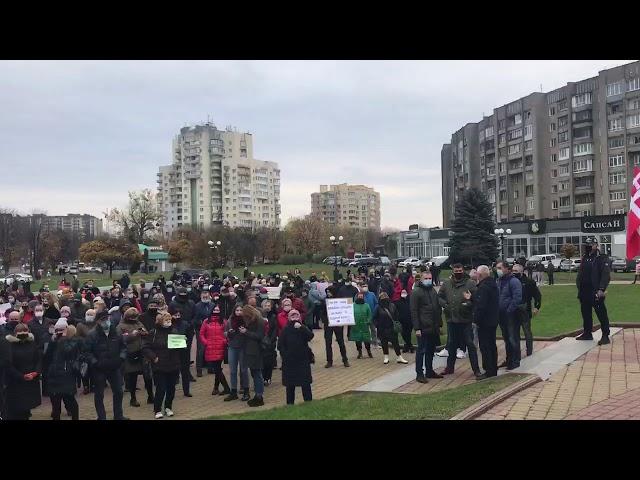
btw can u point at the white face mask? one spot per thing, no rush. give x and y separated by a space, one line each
89 318
39 314
403 295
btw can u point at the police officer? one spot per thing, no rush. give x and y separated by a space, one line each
592 281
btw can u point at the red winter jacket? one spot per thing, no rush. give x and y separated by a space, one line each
298 304
283 319
213 339
410 283
397 290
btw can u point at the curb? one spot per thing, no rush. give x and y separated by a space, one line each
479 408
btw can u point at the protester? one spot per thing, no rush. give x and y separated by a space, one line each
214 343
510 297
184 329
360 332
296 358
592 282
236 344
202 312
386 319
62 357
371 300
105 352
5 363
485 316
186 307
404 317
456 299
330 331
22 374
550 270
269 355
254 332
426 315
133 332
530 291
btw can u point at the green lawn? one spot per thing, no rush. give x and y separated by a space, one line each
566 277
385 406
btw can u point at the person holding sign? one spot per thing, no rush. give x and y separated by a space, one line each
330 331
360 332
184 329
165 362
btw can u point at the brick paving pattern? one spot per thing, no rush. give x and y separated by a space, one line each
606 372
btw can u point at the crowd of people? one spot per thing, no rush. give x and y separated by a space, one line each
85 338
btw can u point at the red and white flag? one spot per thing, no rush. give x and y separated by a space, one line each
633 218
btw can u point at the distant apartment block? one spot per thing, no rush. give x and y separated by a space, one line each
566 153
347 205
214 179
83 225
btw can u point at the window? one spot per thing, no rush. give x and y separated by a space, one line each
515 148
554 205
563 171
552 142
583 132
616 160
634 140
563 186
554 188
501 124
530 204
615 108
564 153
584 165
528 132
583 182
565 201
613 196
615 124
582 99
513 134
584 199
516 209
619 211
552 127
528 161
614 89
616 142
633 120
617 178
562 121
515 179
516 194
584 116
503 167
528 145
563 137
554 173
488 132
503 195
552 111
501 138
634 104
582 149
633 84
634 158
529 191
517 119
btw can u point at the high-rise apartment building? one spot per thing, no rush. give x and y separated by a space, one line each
347 205
215 180
84 225
569 152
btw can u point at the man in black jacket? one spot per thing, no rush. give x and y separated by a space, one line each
530 291
426 315
5 362
186 307
485 316
105 352
592 282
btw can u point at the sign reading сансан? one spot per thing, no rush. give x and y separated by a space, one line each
602 223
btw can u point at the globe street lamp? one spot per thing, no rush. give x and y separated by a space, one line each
335 242
214 248
501 232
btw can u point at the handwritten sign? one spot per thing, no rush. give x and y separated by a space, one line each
176 341
340 312
273 293
3 308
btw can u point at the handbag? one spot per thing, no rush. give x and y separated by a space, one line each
397 326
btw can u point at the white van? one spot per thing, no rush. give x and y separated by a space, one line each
545 259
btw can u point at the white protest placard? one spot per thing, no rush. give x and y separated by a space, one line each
340 312
3 308
273 293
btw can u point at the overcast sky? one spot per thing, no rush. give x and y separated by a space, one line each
76 136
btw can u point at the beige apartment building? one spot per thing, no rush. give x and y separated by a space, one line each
355 206
214 179
562 154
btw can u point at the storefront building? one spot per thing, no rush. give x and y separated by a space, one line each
423 242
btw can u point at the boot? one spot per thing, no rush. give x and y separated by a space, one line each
405 348
198 372
345 362
232 396
150 400
225 386
421 379
359 353
134 402
369 352
604 340
386 359
585 336
447 371
433 374
256 402
401 359
328 365
245 395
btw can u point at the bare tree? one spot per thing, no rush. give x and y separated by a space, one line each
9 237
35 239
139 218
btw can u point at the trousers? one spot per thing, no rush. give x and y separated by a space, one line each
510 329
329 332
115 381
291 393
236 360
462 333
70 403
165 389
528 334
427 344
488 349
132 382
587 304
386 337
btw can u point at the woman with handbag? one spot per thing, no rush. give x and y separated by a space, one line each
388 326
296 358
132 332
215 343
62 355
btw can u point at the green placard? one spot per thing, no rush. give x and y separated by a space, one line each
176 341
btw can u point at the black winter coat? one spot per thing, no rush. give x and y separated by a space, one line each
486 303
155 346
25 358
60 356
105 354
296 362
185 307
253 347
385 317
426 312
530 291
404 311
600 274
41 331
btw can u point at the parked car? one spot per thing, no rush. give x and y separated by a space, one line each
366 261
544 259
570 264
413 261
439 260
16 277
384 261
623 265
396 261
73 270
96 270
332 260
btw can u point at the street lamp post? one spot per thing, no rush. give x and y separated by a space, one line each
214 248
335 242
501 232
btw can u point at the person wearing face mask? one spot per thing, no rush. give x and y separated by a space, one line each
212 338
330 331
530 292
26 312
184 329
22 374
77 310
269 355
456 299
148 319
236 354
186 307
510 290
12 322
283 315
115 297
165 363
133 332
592 282
51 311
61 356
296 358
202 311
385 320
371 300
426 316
360 332
83 329
105 352
40 327
404 317
253 331
227 304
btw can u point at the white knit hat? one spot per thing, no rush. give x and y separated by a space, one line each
60 324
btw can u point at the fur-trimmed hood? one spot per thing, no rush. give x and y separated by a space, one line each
14 339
